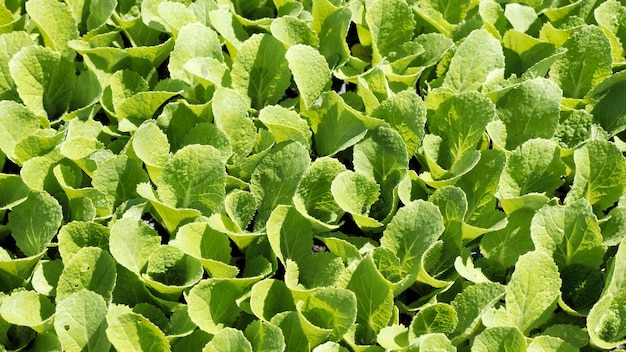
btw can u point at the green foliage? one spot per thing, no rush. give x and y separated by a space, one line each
312 175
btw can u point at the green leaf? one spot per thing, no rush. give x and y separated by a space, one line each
575 127
46 342
44 79
586 63
293 31
506 245
416 217
533 167
14 273
16 123
47 14
210 247
286 125
13 191
168 216
130 331
227 340
374 298
465 71
265 337
331 24
524 52
569 233
118 178
90 268
605 112
193 40
549 343
260 70
331 308
150 145
169 271
291 326
91 14
471 304
613 227
194 177
354 192
574 335
405 112
460 121
480 185
212 304
382 156
530 110
80 322
34 222
46 277
391 24
39 311
605 322
325 115
521 17
310 72
270 297
230 109
289 234
81 139
436 318
276 178
314 197
533 290
10 44
131 243
240 207
192 342
499 339
600 174
322 269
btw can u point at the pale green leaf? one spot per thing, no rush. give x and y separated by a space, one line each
289 234
131 243
265 337
44 79
405 112
374 297
194 177
499 339
470 306
391 24
310 72
586 63
276 178
34 222
212 304
600 174
286 125
260 70
228 340
331 24
325 115
475 59
569 233
90 268
56 23
532 292
80 322
194 40
130 331
530 110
